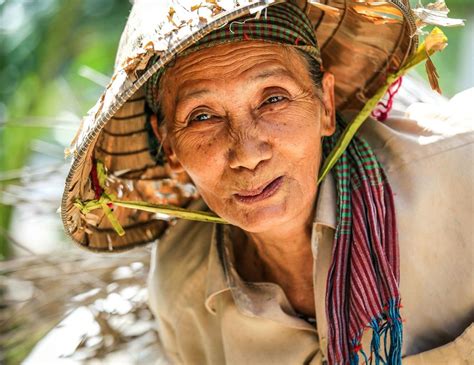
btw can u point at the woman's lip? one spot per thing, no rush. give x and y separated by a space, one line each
254 191
265 192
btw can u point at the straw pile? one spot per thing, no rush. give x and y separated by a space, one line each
38 292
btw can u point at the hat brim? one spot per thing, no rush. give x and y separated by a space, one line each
360 44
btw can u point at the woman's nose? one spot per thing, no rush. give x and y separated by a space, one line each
249 149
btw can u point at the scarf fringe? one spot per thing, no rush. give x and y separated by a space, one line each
387 327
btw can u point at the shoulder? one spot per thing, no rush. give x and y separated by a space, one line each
427 155
179 263
422 132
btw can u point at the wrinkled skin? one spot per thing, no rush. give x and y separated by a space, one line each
238 116
231 131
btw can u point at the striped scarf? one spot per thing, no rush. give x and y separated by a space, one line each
362 287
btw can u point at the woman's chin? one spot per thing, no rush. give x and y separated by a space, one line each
260 219
263 215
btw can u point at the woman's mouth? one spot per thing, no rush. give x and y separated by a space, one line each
264 192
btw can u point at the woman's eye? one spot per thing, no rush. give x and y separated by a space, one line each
201 117
274 99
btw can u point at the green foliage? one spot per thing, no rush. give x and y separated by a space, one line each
448 63
44 44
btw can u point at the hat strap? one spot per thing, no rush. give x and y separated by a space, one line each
106 202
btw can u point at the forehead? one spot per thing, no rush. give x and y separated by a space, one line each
234 61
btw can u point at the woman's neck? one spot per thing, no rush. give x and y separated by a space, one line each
282 249
282 256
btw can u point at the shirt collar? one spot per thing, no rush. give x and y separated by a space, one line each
325 213
216 277
223 277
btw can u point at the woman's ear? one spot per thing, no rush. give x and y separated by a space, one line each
161 135
328 117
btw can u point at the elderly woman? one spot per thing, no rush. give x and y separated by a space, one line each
302 273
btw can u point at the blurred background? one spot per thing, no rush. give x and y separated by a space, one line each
58 304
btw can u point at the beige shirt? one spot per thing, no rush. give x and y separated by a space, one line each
208 315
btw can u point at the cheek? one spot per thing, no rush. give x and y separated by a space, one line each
202 156
298 134
306 158
299 144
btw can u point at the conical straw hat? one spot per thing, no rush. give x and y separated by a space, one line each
361 42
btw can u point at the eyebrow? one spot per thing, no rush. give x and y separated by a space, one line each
192 95
271 73
257 78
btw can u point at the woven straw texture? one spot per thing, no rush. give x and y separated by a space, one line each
361 42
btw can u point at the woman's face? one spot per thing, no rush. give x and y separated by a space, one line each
245 121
